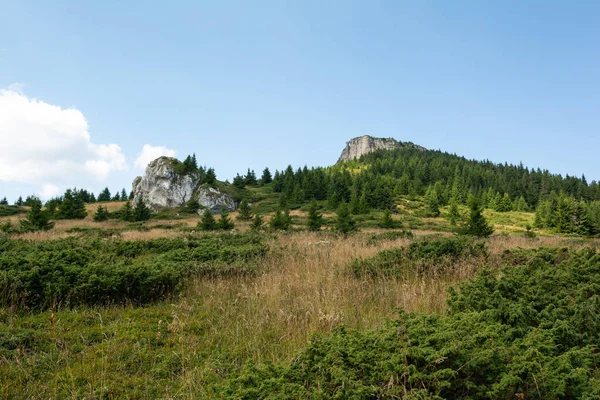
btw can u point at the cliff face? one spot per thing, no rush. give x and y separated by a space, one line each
367 144
161 186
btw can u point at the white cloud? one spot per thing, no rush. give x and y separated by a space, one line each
50 146
150 153
49 191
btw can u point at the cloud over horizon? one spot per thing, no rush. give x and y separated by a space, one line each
150 153
50 146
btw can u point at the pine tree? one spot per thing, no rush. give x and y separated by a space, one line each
245 212
225 223
211 176
141 212
104 196
315 218
36 219
208 222
192 206
4 202
281 220
477 225
520 204
432 203
344 222
126 212
503 204
19 202
101 214
266 177
257 223
387 222
72 206
453 213
251 178
363 204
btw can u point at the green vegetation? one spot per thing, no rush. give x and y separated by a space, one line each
175 313
281 220
530 333
422 256
36 219
69 272
344 223
101 214
315 218
244 211
477 225
208 221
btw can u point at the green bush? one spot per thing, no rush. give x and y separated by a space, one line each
6 211
389 236
531 332
454 247
75 271
422 256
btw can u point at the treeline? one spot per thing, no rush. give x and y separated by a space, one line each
190 165
376 179
567 214
82 195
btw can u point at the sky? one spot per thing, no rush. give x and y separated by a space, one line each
90 92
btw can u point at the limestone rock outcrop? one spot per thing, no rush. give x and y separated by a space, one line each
367 144
163 187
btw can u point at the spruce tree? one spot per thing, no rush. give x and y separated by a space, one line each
225 223
19 202
453 213
344 222
315 218
36 219
477 225
101 214
432 203
124 196
504 204
387 222
208 222
211 176
72 206
126 212
257 223
104 196
251 178
281 220
245 212
266 177
4 202
192 206
141 212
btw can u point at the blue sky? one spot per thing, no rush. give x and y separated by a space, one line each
270 83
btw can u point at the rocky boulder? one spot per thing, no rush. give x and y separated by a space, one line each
367 144
163 187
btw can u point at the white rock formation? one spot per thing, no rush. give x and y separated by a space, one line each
161 186
366 144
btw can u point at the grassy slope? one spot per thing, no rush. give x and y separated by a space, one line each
184 346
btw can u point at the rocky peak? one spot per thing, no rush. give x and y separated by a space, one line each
367 144
163 186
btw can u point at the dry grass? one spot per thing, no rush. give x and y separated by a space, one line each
304 290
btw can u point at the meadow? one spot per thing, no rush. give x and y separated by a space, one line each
162 310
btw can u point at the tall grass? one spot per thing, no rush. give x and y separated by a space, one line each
183 347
